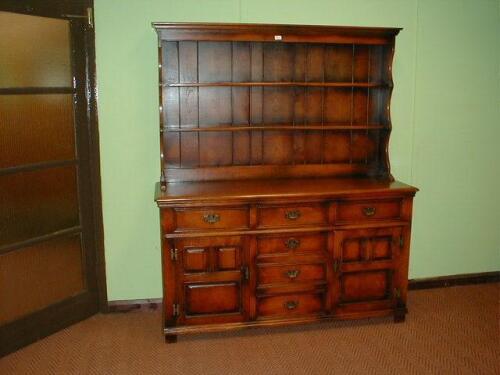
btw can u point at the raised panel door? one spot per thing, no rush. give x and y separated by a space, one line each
211 280
366 265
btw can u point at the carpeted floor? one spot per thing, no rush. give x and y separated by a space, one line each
448 331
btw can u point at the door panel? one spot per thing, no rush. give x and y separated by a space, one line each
196 259
228 258
366 261
358 249
211 280
366 286
50 219
42 274
37 203
221 298
36 128
34 51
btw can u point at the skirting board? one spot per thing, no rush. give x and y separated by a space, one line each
124 306
452 280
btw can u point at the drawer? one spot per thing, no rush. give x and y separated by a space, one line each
269 274
292 215
291 304
316 242
211 218
369 210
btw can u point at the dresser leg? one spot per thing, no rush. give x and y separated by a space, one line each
399 316
400 311
170 339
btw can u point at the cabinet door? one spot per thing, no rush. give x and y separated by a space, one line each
210 280
366 264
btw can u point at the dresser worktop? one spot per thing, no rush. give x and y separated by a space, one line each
321 188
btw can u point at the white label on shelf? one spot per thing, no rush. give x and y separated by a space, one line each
278 37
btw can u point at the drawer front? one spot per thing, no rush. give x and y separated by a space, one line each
316 242
267 274
290 304
369 210
211 218
292 216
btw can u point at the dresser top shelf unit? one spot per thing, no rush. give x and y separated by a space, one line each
249 101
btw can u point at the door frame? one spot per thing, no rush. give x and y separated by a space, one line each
49 320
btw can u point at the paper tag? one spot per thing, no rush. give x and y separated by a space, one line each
278 37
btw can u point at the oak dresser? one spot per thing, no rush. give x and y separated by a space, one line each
277 205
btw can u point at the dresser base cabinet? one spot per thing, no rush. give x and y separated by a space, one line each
337 255
277 203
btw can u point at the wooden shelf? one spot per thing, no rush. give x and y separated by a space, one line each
276 84
271 127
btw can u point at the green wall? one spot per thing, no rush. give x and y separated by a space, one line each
445 113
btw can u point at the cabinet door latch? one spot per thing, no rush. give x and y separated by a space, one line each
174 253
401 241
336 265
246 272
175 309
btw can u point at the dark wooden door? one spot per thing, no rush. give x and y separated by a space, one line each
49 197
366 263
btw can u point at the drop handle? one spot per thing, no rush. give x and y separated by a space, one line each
291 305
292 243
292 215
292 274
369 211
211 218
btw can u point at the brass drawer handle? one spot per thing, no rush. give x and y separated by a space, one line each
291 305
292 215
369 211
211 218
292 274
292 243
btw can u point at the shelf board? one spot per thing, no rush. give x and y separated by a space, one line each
271 127
278 84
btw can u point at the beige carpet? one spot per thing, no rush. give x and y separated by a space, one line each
448 331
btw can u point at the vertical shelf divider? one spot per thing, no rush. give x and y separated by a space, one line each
198 98
352 104
368 98
262 111
304 132
179 101
232 108
294 66
323 108
250 91
161 63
